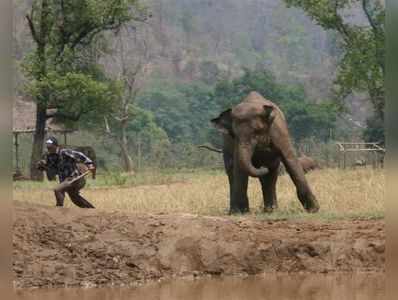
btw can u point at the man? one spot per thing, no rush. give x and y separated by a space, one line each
67 164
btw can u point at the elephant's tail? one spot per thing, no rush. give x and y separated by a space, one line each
210 148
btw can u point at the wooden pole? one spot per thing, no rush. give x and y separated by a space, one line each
16 143
327 159
344 159
139 151
340 154
65 138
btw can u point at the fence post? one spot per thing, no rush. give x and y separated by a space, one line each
16 143
344 159
139 151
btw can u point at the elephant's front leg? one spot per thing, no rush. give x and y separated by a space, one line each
268 186
229 169
296 173
239 199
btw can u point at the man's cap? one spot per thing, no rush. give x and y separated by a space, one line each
52 141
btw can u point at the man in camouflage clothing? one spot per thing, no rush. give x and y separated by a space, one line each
67 164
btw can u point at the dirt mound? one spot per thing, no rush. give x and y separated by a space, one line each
75 247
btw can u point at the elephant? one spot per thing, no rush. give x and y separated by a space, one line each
308 163
255 141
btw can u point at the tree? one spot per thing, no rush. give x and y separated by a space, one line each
183 111
362 66
132 67
170 108
231 92
61 67
310 120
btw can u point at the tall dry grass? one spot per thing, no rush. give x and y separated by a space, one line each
341 193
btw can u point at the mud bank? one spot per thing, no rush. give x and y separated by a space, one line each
75 247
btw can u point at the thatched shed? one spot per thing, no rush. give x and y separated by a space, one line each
24 118
24 122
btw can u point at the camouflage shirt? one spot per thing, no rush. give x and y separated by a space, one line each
64 163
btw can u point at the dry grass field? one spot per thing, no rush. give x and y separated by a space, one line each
341 193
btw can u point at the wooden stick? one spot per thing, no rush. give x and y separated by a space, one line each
79 177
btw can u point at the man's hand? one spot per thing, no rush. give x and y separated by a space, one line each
93 170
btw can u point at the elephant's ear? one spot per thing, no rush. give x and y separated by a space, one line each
223 122
269 113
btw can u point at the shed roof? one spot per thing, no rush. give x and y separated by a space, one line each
24 118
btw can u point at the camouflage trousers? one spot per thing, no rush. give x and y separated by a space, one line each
73 190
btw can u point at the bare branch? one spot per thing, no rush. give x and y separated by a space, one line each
82 35
368 16
107 129
341 27
33 29
121 119
376 31
72 117
44 26
65 36
90 31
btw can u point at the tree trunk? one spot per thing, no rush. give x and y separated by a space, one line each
38 142
127 161
42 101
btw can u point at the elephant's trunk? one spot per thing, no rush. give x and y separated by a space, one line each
245 153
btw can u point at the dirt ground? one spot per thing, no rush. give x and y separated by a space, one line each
75 247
